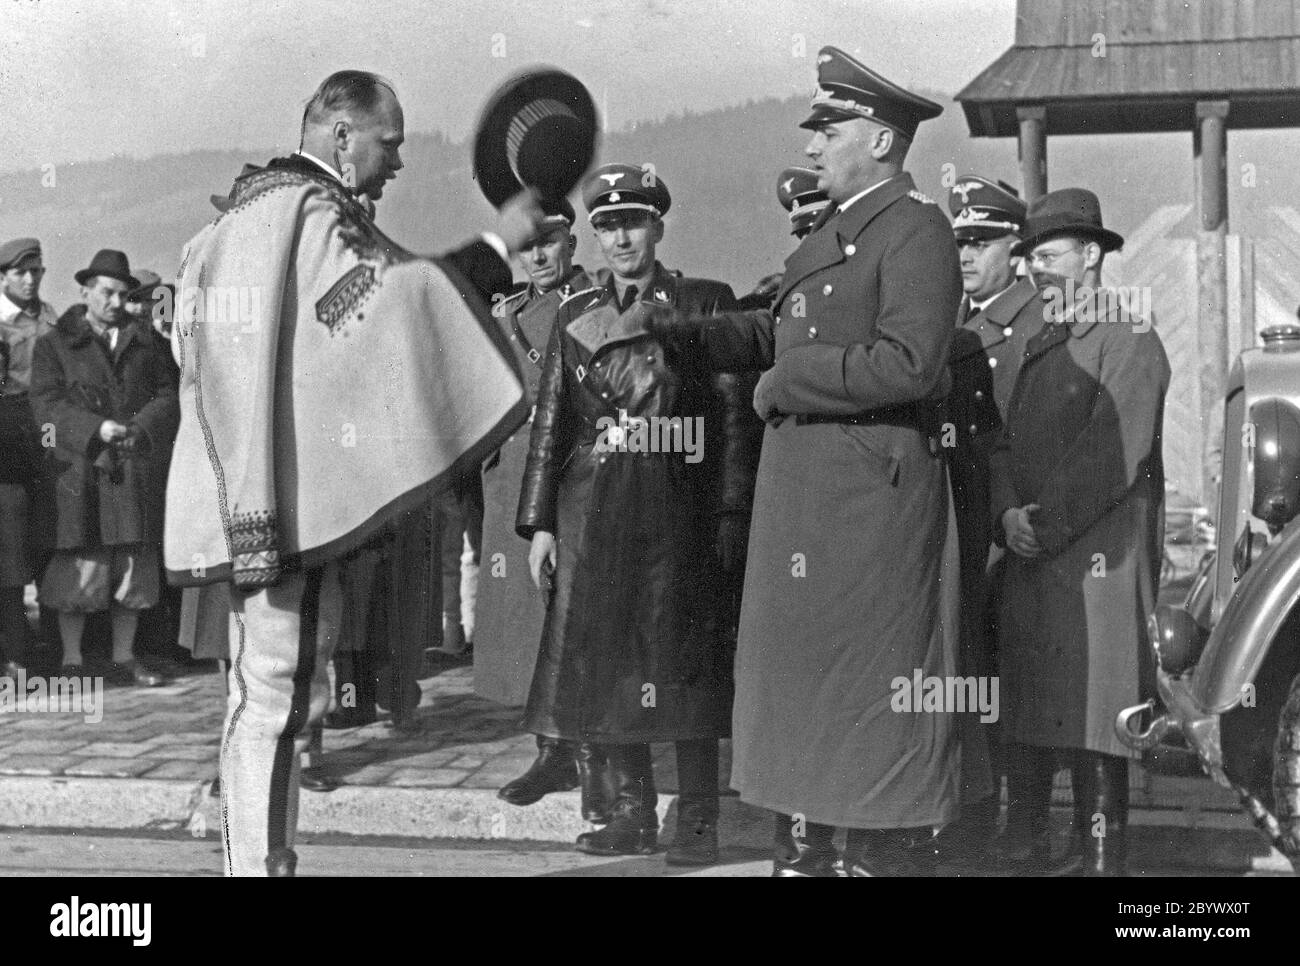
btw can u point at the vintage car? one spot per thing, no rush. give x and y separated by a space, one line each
1228 660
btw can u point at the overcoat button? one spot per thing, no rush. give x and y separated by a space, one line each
979 393
812 332
850 249
777 320
1007 330
972 429
827 289
993 363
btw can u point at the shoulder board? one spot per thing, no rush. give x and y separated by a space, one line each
574 295
923 198
499 306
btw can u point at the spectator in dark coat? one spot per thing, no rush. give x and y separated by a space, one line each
107 385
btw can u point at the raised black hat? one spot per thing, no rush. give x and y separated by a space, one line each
538 129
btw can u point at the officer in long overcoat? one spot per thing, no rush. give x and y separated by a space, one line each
637 518
842 608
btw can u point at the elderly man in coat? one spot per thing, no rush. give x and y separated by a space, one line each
107 384
1077 488
842 604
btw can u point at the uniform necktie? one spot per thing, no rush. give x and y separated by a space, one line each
629 298
974 311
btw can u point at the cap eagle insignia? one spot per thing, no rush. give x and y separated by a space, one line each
613 179
964 189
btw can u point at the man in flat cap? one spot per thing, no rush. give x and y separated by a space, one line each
511 609
1077 484
106 383
331 382
842 608
640 527
24 317
998 313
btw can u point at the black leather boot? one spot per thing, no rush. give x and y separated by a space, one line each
696 842
282 864
874 853
633 827
1025 846
552 771
593 779
810 856
1101 815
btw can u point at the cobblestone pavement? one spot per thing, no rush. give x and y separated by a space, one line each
174 732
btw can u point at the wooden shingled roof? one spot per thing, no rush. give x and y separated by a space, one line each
1119 66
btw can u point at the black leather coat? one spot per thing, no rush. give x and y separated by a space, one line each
634 645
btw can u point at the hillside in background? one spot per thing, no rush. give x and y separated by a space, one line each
720 166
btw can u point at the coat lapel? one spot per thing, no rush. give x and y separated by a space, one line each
825 247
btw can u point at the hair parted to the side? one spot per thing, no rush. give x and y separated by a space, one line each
357 90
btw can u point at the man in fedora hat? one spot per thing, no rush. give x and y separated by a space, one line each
998 313
851 527
292 303
24 317
106 383
1077 495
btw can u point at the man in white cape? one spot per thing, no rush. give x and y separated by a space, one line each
330 381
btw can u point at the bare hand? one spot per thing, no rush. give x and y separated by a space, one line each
1020 534
519 220
110 430
541 555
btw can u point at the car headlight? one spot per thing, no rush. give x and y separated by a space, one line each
1176 638
1276 460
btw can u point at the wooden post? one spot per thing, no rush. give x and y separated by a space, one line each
1209 148
1247 292
1033 151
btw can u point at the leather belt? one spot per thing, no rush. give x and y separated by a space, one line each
921 417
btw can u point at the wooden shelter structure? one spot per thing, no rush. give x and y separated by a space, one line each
1142 66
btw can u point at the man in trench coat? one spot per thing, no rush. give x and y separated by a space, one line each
1077 485
842 607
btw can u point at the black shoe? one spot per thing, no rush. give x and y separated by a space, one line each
696 842
553 771
128 673
633 827
593 777
282 864
875 853
630 832
341 718
316 779
1021 853
810 856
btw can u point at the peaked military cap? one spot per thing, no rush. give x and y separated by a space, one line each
985 209
847 89
622 187
798 193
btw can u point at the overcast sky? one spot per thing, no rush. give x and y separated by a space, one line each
85 79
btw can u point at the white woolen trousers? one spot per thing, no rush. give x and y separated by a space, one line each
281 642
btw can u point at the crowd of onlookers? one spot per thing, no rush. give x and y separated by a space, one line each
88 416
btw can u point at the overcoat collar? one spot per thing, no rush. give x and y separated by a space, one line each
76 328
826 245
1077 321
992 322
601 324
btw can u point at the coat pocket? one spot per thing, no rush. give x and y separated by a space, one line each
882 466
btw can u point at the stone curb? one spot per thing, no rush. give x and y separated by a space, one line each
1221 840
